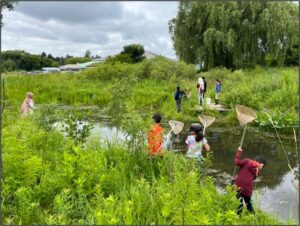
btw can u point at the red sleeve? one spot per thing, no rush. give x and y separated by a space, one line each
254 169
238 160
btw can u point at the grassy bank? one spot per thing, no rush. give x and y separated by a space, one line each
150 86
47 180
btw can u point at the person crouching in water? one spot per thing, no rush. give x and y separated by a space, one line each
28 104
155 137
196 142
247 174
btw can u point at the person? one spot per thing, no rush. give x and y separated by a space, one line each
155 137
196 142
247 174
27 105
217 91
178 96
200 87
205 85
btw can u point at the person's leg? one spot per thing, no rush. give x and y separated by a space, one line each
249 204
241 206
201 98
179 101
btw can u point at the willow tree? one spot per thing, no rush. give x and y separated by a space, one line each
233 34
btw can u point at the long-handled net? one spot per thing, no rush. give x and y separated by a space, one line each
245 115
206 121
176 127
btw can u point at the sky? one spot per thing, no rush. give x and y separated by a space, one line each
62 28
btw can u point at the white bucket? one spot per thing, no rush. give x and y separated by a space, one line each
208 101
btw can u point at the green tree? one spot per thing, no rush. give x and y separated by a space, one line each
135 51
9 65
9 4
88 54
122 58
233 34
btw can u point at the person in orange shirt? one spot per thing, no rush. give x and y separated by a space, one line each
155 137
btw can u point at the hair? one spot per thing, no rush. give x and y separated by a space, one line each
156 118
218 81
197 128
178 88
199 137
203 78
261 159
29 94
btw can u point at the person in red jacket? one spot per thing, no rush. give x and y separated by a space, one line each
247 174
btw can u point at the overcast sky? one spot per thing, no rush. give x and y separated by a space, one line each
62 28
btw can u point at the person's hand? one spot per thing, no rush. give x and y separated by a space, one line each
240 149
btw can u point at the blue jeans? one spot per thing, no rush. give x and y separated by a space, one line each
201 97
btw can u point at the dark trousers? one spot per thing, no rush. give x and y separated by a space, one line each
247 200
178 105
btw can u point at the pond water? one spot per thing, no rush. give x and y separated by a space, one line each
276 192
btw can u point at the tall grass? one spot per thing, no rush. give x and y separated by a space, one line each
48 180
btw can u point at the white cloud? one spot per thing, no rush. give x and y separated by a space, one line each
62 28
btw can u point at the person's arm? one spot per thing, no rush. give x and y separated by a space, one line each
206 145
238 160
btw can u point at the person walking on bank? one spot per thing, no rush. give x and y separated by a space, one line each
247 174
205 85
200 87
217 91
178 96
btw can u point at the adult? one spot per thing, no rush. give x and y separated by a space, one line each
205 85
178 96
217 91
28 105
200 87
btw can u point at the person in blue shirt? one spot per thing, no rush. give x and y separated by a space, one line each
178 96
217 91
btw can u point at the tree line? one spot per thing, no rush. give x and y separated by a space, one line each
13 60
236 34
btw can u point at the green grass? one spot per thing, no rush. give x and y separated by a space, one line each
47 180
150 85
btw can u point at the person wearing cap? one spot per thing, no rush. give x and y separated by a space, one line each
244 181
27 105
196 141
155 137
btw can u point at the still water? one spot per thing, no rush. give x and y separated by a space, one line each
276 187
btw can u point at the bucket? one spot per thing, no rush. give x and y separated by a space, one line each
208 101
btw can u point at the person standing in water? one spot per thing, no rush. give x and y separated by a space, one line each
217 91
155 137
244 181
28 105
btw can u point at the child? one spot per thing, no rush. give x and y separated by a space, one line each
248 172
196 141
27 105
217 91
155 137
178 96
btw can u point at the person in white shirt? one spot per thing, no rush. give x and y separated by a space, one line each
28 104
196 142
200 87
